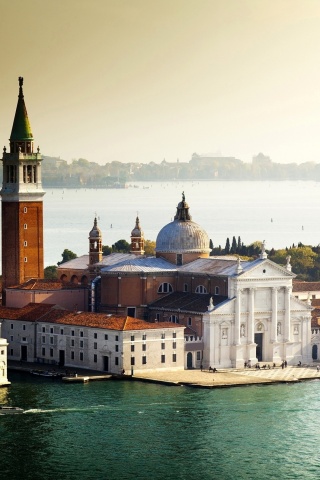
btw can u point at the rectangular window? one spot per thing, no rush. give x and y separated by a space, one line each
95 358
51 329
61 331
11 351
51 352
117 348
72 343
116 360
25 259
95 345
25 226
81 343
51 340
117 338
11 338
198 355
43 339
144 347
72 355
163 359
174 335
163 346
43 329
144 337
72 333
158 317
81 356
189 322
132 348
24 339
43 352
23 327
25 243
95 335
132 360
81 333
106 337
132 338
174 345
163 336
144 360
11 326
174 357
25 210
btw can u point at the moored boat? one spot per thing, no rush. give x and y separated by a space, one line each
5 410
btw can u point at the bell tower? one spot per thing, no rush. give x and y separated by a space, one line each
95 244
22 203
137 239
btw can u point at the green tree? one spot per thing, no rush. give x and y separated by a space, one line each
227 247
121 246
234 245
106 250
149 247
50 272
67 255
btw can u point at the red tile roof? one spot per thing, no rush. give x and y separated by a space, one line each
298 286
53 314
44 284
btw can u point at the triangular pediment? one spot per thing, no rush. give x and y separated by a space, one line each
265 269
225 307
296 304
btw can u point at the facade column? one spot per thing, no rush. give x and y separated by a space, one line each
251 316
274 324
236 337
287 322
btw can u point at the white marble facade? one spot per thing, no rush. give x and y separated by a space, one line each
260 322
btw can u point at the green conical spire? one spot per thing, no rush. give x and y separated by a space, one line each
21 129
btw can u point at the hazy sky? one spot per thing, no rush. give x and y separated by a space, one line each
143 80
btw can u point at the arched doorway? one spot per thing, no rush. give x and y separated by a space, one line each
189 360
314 352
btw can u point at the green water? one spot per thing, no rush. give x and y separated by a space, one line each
130 430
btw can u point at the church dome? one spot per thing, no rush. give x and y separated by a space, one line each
95 231
137 232
182 235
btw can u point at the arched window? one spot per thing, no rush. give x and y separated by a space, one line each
216 290
173 319
165 288
201 289
63 278
74 279
314 352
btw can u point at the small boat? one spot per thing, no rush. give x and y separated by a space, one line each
46 373
5 410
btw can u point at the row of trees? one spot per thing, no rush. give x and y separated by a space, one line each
305 259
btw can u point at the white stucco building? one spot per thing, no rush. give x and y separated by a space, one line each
260 321
50 335
3 361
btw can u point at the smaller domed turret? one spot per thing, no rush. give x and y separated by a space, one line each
137 239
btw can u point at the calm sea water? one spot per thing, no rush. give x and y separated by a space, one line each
123 430
282 213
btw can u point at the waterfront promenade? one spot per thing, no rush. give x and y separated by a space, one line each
232 377
196 378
